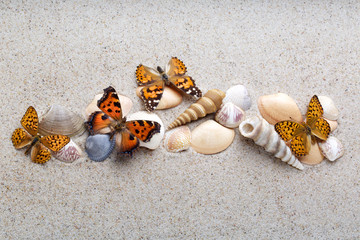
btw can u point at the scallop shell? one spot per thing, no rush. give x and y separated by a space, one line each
99 147
156 138
60 120
210 137
170 98
177 139
330 110
69 153
279 107
239 96
126 105
207 104
265 135
229 115
314 157
332 148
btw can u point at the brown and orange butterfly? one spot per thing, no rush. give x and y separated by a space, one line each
39 145
303 134
127 133
154 81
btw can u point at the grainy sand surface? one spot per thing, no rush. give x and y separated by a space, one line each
65 52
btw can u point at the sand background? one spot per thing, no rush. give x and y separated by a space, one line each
65 52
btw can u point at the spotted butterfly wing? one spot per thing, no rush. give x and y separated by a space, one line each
143 129
97 121
152 94
126 141
20 138
55 142
110 104
319 126
146 75
40 154
30 121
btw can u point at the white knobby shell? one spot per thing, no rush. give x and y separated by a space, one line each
330 110
170 98
60 120
229 115
265 135
332 148
239 96
210 137
69 153
157 137
99 147
177 139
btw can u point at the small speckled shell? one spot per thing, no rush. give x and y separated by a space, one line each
69 153
177 139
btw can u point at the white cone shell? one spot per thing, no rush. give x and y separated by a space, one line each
265 135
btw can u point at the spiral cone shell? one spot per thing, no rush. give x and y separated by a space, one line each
209 103
265 135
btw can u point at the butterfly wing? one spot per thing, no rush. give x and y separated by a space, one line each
175 67
146 75
40 154
20 138
55 142
143 129
126 142
288 129
186 84
110 104
320 128
314 111
30 121
97 121
300 144
152 94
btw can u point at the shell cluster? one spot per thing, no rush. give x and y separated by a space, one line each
278 107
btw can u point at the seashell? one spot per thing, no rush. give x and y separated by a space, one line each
126 105
332 148
99 146
333 124
279 107
69 153
156 138
330 110
210 137
178 139
207 104
170 98
230 115
60 120
239 96
314 157
265 135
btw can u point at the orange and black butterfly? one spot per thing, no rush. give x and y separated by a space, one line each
154 81
127 133
38 145
303 134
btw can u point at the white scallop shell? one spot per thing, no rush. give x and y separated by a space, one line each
239 96
69 153
229 115
330 110
332 148
157 137
99 147
60 120
210 137
177 139
265 135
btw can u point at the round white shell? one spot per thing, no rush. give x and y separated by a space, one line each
99 147
239 96
69 153
230 115
330 110
157 137
332 148
177 139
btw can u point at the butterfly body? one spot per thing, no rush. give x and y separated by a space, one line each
128 134
37 144
301 135
155 80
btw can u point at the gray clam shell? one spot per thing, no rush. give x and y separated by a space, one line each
99 147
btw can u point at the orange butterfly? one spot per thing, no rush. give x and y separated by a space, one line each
154 82
302 134
38 145
127 133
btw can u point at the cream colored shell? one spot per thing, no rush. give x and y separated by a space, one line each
170 98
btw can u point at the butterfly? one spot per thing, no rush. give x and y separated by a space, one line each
128 133
154 81
39 145
303 134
